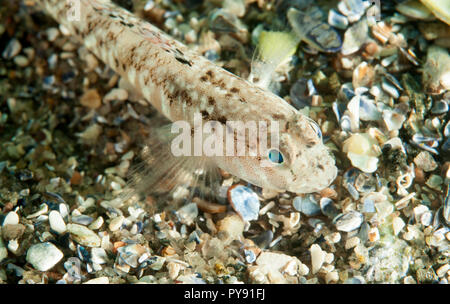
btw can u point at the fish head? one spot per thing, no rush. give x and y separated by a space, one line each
301 163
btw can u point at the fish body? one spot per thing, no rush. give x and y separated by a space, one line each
182 85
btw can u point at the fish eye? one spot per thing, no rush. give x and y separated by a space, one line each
316 128
275 156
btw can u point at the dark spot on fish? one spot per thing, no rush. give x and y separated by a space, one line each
228 95
234 90
242 100
320 166
210 73
203 78
278 116
222 120
183 61
210 100
205 114
130 25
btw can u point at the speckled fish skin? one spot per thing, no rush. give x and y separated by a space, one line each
180 83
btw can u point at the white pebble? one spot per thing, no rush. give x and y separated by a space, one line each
96 224
418 211
174 270
442 270
13 246
12 49
52 34
116 223
57 222
349 221
332 277
317 257
43 209
83 235
11 219
303 269
397 225
233 225
409 280
63 210
3 250
333 238
352 242
100 280
44 256
21 61
99 256
329 258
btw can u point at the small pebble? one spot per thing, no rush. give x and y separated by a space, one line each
11 232
409 280
174 270
397 225
44 256
12 49
306 205
13 246
272 264
425 161
100 280
99 256
76 178
188 213
332 277
91 99
352 242
116 223
43 209
442 271
82 219
3 250
233 225
333 238
57 222
52 34
11 219
354 37
21 61
83 236
329 258
96 224
349 221
317 257
244 201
